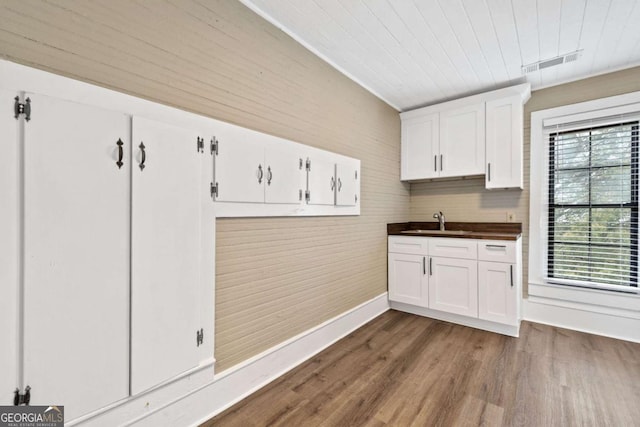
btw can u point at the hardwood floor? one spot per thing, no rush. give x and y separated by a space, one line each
406 370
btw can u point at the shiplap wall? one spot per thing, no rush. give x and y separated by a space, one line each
276 277
468 200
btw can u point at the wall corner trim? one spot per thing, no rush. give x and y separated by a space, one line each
234 384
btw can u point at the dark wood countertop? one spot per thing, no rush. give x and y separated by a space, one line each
459 230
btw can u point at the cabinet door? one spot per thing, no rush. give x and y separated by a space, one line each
284 179
497 292
239 167
504 143
321 181
347 183
76 256
420 147
408 279
462 141
166 252
453 286
9 246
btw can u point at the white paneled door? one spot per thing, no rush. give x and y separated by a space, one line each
408 279
504 143
167 256
420 147
284 176
76 255
462 141
321 182
347 183
240 168
9 246
497 292
453 286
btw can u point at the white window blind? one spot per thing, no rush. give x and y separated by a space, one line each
593 203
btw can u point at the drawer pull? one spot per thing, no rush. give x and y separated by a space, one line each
496 246
424 266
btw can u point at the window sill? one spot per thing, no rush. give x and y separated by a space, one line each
592 300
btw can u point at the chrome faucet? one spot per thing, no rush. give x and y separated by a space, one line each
440 217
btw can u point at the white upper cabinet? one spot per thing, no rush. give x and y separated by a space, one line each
504 143
76 255
321 180
477 135
284 175
347 179
9 244
420 147
239 166
462 141
168 260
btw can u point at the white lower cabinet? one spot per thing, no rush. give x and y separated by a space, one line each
468 281
453 286
408 279
497 292
112 281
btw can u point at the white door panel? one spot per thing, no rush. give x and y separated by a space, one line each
347 176
9 246
420 147
497 292
76 256
453 286
166 252
322 181
284 179
504 143
240 169
408 279
462 141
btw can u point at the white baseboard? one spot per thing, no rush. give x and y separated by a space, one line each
581 317
511 330
229 387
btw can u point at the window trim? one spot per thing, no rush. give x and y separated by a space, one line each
539 282
633 205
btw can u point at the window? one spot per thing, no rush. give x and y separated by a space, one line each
593 205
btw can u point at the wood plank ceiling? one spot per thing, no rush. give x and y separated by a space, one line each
412 53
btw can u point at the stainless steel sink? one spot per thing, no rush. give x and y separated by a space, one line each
442 232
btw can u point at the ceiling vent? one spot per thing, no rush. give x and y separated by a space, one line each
552 62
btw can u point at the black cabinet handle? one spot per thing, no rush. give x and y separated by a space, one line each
424 267
144 155
269 175
440 162
333 183
339 184
489 172
435 163
430 266
120 153
511 274
260 174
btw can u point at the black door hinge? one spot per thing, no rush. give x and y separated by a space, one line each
199 337
22 399
22 108
200 145
214 146
214 190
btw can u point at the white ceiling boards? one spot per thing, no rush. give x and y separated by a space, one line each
412 53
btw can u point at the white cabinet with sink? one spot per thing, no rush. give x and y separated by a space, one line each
474 282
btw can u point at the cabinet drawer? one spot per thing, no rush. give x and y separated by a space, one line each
497 251
408 245
453 248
